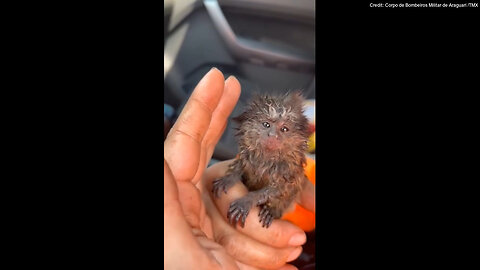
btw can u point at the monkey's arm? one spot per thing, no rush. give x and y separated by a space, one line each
233 175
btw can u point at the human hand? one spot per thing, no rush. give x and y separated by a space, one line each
193 228
269 247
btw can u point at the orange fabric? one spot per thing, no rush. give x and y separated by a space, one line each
300 216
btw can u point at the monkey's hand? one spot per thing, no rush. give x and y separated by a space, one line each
224 184
266 216
270 207
240 208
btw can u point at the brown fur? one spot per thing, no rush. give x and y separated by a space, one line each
275 176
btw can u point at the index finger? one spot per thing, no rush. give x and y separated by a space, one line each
183 142
307 196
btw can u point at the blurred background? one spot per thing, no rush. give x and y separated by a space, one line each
268 45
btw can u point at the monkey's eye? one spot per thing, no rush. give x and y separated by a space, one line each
266 124
284 129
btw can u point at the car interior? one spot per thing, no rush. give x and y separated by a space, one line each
268 45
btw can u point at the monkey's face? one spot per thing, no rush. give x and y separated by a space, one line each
272 134
274 125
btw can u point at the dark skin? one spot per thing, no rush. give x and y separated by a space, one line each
273 140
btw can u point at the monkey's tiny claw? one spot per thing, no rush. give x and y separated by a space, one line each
238 211
218 186
266 217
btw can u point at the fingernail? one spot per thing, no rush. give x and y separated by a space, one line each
294 254
297 239
230 77
213 68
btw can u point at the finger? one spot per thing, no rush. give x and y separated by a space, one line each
288 267
220 116
216 171
249 251
180 239
280 234
190 200
192 124
170 189
177 234
307 196
218 123
243 266
219 253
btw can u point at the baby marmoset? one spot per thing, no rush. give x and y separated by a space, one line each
272 142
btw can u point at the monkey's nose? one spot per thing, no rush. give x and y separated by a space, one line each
272 143
272 134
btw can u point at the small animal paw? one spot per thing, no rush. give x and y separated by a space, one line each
238 211
219 185
266 216
224 184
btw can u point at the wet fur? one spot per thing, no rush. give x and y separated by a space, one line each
273 177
